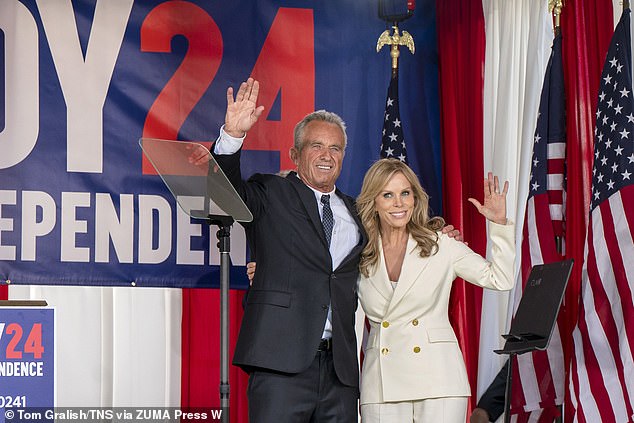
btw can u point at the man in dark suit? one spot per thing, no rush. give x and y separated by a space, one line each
297 338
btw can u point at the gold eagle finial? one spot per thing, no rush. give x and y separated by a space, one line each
554 6
395 40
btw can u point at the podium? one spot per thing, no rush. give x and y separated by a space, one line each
189 170
535 317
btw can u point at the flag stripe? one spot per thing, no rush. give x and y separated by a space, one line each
535 252
607 304
591 370
555 179
580 379
623 243
601 328
621 295
556 150
557 213
556 198
545 233
556 360
612 317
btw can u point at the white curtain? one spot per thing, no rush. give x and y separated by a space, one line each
519 36
115 347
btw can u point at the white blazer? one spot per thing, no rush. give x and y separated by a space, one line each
412 351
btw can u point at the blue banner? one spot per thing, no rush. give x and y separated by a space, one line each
81 81
27 358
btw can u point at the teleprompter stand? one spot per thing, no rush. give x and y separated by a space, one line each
535 317
190 172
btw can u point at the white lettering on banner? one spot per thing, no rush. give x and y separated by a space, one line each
84 82
148 204
114 224
185 230
119 229
31 228
21 368
21 108
7 252
71 227
2 329
238 251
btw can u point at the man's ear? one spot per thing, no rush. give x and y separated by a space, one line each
294 154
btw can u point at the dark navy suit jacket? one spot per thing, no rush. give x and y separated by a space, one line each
287 304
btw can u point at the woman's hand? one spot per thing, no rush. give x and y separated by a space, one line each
250 271
494 206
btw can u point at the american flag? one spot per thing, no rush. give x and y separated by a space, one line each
392 146
602 368
393 140
539 385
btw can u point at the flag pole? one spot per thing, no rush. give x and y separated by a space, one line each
554 6
393 137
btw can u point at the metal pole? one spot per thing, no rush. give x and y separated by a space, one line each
224 331
507 393
224 241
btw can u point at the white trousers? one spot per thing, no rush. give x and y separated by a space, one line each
437 410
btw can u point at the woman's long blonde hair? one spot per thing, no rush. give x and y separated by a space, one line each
421 226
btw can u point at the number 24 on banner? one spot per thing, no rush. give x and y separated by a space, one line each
32 345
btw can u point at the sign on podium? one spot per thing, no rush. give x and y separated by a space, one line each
27 355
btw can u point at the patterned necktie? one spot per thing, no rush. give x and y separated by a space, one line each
327 219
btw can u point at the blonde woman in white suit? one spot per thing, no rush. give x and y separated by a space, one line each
413 369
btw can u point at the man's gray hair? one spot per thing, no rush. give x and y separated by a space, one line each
320 116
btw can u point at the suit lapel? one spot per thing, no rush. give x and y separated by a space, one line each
307 197
381 281
413 265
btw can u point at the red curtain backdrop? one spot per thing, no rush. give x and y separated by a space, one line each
200 378
587 27
461 47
